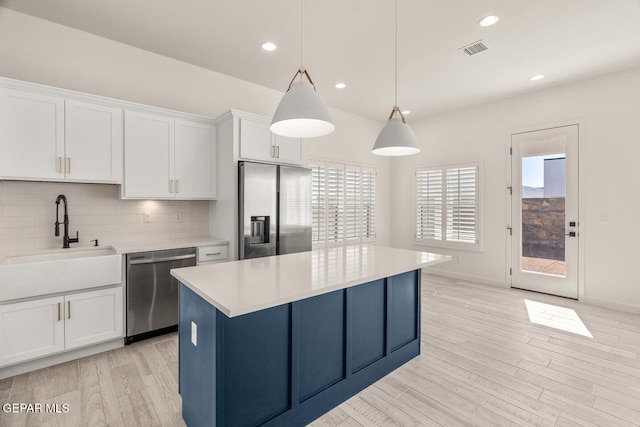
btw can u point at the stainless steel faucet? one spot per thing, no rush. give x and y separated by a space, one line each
66 240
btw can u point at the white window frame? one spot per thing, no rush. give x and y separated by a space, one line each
443 241
365 220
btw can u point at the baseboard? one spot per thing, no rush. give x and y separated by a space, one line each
629 308
468 277
55 359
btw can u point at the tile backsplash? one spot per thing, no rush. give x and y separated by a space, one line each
28 215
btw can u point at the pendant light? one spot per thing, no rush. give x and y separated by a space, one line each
396 138
301 113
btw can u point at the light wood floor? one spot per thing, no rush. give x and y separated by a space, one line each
483 363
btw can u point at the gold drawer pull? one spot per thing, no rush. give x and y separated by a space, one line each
58 312
68 309
215 253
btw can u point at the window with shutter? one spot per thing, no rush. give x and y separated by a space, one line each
335 204
343 204
368 212
447 206
352 205
318 204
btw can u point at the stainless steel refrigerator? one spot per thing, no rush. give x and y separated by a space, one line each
274 209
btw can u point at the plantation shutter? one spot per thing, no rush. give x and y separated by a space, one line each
429 204
318 204
335 204
447 205
352 204
461 204
368 213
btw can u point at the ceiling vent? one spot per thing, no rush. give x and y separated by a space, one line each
473 48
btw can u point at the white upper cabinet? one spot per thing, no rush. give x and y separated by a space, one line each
148 163
289 150
49 138
255 140
167 158
195 160
93 142
258 143
31 136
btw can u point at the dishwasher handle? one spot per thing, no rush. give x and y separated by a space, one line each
156 260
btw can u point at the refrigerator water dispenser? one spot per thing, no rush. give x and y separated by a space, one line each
259 230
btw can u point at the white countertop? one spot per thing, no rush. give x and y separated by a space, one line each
191 242
126 247
246 286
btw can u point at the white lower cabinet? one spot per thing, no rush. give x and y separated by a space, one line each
92 317
31 329
44 326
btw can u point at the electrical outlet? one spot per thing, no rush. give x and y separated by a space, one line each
146 218
194 333
178 217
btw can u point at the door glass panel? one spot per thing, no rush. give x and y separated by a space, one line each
543 207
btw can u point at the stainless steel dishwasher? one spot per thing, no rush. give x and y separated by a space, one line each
152 293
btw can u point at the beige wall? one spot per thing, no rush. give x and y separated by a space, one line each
43 52
607 109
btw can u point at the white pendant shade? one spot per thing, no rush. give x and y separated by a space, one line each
301 113
396 139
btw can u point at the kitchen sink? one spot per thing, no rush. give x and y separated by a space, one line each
58 270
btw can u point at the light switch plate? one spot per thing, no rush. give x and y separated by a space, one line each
194 334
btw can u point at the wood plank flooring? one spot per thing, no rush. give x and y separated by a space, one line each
483 363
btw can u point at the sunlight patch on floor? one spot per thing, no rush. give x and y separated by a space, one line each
565 319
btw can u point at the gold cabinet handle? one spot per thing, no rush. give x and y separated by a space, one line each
68 309
68 164
177 186
58 312
171 186
60 165
215 253
277 151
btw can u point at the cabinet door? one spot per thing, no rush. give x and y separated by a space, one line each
93 136
93 316
31 136
195 160
255 141
31 329
289 150
148 156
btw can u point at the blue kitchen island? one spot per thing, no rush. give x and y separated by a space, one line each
282 340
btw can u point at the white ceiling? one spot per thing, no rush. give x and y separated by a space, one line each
352 41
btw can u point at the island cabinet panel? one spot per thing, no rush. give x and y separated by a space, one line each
321 340
254 366
368 317
289 364
403 323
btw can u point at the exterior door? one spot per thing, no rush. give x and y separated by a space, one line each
544 210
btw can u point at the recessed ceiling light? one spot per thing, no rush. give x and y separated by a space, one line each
406 112
340 85
489 20
537 77
268 46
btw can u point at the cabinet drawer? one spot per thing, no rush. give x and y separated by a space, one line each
212 253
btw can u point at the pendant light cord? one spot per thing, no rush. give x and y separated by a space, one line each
396 58
301 34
